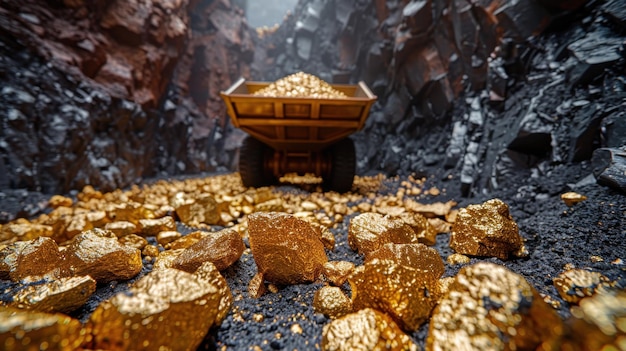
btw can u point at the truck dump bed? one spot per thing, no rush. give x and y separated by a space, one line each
297 124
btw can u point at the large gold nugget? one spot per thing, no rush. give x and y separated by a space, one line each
61 295
417 256
364 330
331 301
486 230
222 248
287 250
489 307
370 231
167 309
202 209
29 330
408 295
575 284
34 259
98 253
598 323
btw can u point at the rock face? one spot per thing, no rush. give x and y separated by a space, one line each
488 306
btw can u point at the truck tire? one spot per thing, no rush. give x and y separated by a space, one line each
252 156
343 164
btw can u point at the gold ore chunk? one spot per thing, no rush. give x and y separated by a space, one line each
486 230
287 250
406 294
34 259
332 302
98 253
222 248
60 295
571 198
167 308
38 330
575 284
369 231
152 227
489 307
365 330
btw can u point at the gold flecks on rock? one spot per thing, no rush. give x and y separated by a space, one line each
121 228
489 307
287 250
38 330
598 323
31 260
370 231
486 230
571 198
456 259
134 241
366 329
256 287
199 210
575 284
337 272
152 227
222 248
163 304
301 85
60 295
406 294
332 302
99 254
426 233
415 256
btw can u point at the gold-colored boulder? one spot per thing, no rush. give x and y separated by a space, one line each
167 309
202 209
486 230
416 256
332 302
98 253
426 233
370 231
31 259
489 307
60 295
287 250
571 198
366 329
337 272
222 248
575 284
30 330
406 294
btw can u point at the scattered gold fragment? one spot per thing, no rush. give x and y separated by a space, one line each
60 295
301 85
456 259
596 259
287 250
337 272
19 328
366 329
438 209
575 284
134 241
166 237
222 248
121 228
486 230
257 317
332 302
201 210
256 287
489 307
151 251
152 227
296 328
571 198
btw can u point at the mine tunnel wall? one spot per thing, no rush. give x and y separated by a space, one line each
107 93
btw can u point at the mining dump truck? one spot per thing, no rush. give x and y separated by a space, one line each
295 134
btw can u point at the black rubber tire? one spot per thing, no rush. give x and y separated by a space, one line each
252 155
343 165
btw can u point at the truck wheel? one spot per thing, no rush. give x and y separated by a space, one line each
252 155
343 164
